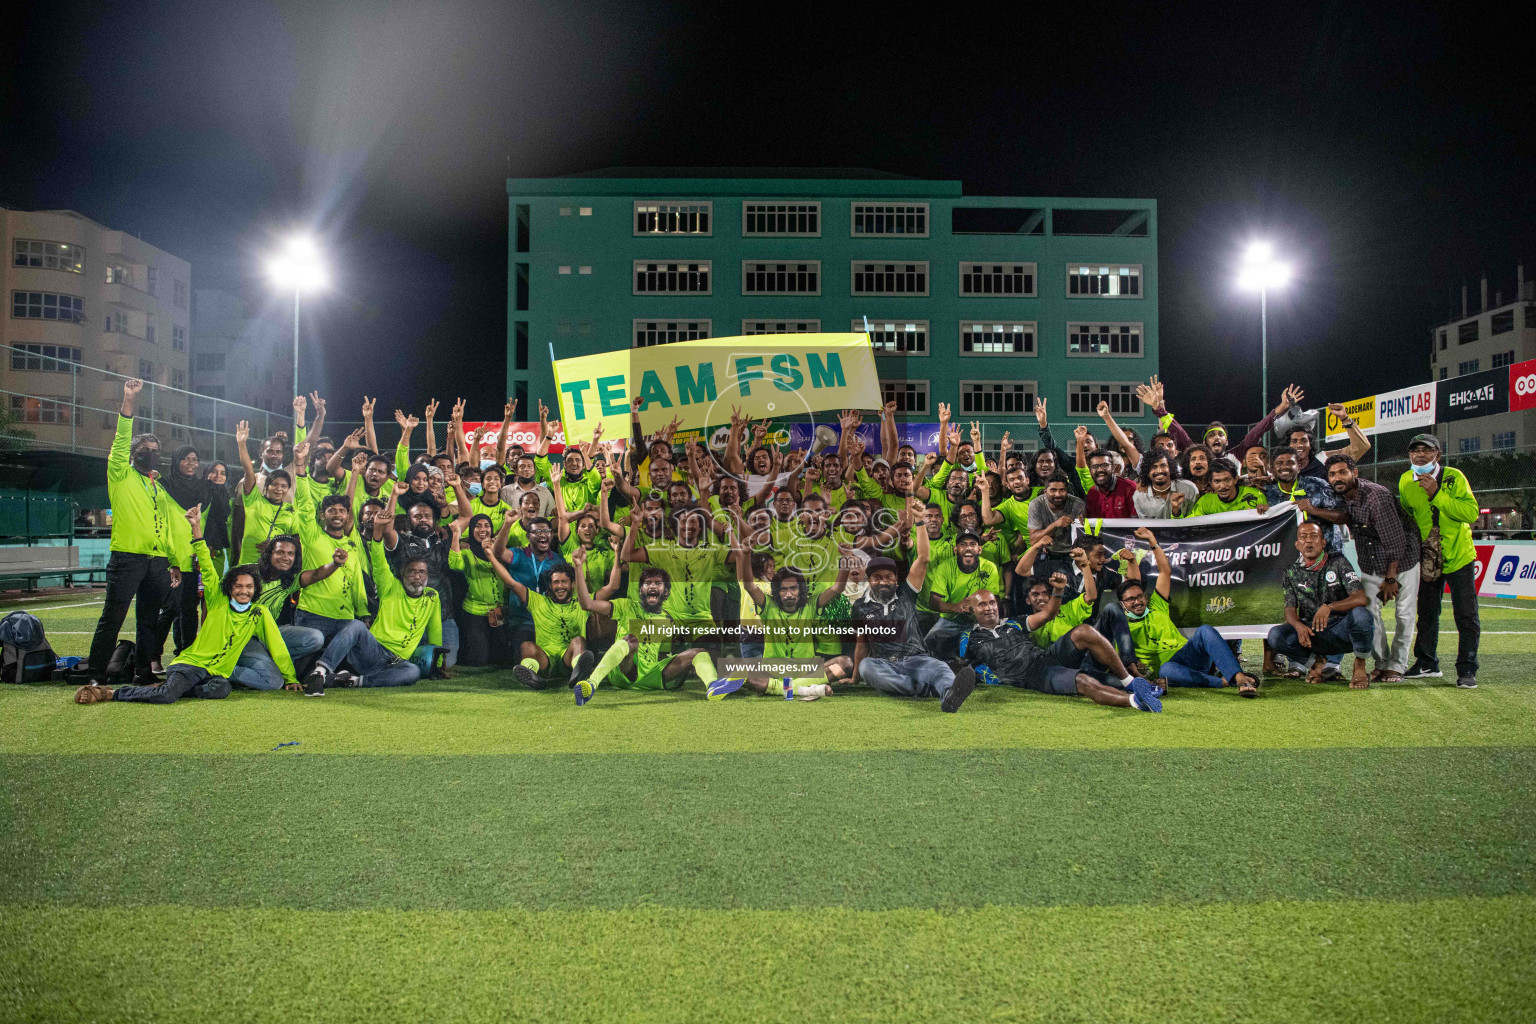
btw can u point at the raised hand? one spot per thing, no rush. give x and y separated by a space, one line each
1176 503
411 422
451 479
1080 432
317 402
509 409
431 410
368 407
401 487
1040 412
1145 533
354 439
1146 394
579 557
242 432
339 556
1004 445
301 454
400 418
359 462
943 412
1058 580
1104 410
889 410
132 387
300 403
194 516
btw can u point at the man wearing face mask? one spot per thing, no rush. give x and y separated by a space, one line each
143 543
269 512
1443 506
233 619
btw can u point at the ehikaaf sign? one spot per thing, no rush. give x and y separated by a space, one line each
1473 394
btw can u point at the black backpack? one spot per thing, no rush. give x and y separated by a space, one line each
25 656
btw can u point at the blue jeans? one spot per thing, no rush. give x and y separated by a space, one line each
914 676
422 658
1353 630
257 671
1192 665
327 626
375 664
180 681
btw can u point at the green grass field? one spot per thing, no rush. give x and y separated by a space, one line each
466 850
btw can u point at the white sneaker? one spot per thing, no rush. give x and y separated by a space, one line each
815 691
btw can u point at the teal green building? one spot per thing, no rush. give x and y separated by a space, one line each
981 302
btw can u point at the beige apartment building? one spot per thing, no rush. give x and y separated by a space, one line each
87 306
1490 336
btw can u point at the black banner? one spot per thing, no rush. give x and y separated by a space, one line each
1474 394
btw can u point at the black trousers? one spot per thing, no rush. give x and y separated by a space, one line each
131 577
479 644
180 681
178 611
1469 628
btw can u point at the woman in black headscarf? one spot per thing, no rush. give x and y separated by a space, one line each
187 487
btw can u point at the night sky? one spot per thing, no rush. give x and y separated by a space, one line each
1387 150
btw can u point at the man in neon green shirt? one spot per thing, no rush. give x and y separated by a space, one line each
143 544
1443 505
234 618
410 614
1226 495
951 584
342 594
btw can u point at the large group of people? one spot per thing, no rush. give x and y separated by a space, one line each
647 563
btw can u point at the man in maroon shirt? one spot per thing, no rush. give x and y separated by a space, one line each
1111 496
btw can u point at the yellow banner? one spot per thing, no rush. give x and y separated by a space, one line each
770 376
1361 410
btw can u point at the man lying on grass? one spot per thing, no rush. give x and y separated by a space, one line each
229 625
1160 646
1325 609
1003 652
632 663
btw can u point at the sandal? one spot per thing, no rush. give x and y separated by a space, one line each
1386 676
1247 686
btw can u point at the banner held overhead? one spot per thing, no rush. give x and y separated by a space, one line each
700 382
1361 410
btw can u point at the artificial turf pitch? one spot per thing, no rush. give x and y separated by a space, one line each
466 850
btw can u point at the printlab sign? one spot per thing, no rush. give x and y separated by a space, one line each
1474 394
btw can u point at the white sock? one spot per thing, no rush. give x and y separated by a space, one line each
1126 682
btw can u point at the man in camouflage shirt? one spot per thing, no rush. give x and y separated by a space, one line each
1325 609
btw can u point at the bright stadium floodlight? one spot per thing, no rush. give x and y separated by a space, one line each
1259 273
298 268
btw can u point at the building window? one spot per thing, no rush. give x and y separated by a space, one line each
1470 444
1084 396
781 278
890 278
668 218
151 280
179 379
1530 316
563 270
990 338
208 362
115 322
896 337
1501 323
1445 371
1469 366
781 327
997 397
585 211
1466 332
41 410
520 345
909 395
664 332
146 370
1504 439
30 252
794 220
47 306
179 294
672 278
1104 282
565 211
997 279
46 358
179 339
1442 339
149 334
117 274
996 220
584 270
1104 339
1502 359
910 219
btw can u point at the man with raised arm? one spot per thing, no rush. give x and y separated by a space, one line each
143 543
326 529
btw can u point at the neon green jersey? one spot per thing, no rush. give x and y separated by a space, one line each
404 622
555 624
141 508
225 632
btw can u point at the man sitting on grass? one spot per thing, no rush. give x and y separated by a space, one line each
1070 632
1161 647
1003 652
1325 609
794 606
203 669
632 663
559 628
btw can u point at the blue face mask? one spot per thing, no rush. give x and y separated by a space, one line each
475 488
237 606
487 464
1425 470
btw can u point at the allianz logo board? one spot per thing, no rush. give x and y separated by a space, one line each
1509 568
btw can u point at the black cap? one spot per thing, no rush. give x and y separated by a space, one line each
968 535
1424 441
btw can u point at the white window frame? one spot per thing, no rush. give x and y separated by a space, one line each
807 205
893 207
664 207
1029 328
920 266
1030 269
1117 274
1031 390
39 358
1095 397
811 264
897 326
922 387
665 325
792 325
65 256
702 266
1116 331
1503 435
